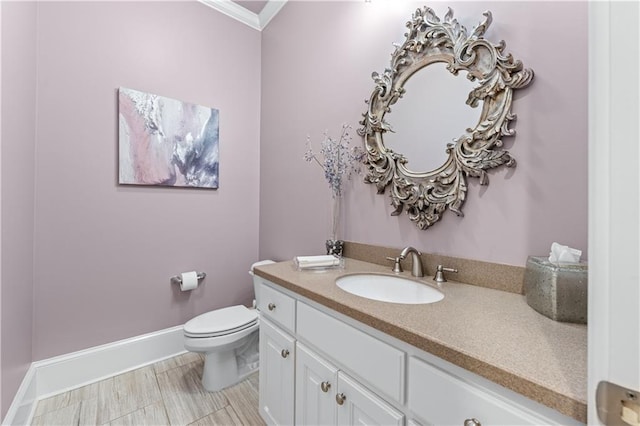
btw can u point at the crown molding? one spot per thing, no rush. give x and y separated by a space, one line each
269 11
239 13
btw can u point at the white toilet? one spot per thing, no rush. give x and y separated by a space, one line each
229 339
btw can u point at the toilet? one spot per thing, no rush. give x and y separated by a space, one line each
228 337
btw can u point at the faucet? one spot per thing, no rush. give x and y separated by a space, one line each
416 263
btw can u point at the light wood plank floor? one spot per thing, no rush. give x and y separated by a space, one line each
166 393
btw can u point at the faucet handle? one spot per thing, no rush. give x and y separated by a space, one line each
440 270
397 268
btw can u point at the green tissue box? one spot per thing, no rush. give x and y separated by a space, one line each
557 291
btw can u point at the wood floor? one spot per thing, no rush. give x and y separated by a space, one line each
166 393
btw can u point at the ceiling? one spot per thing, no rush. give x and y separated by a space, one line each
254 13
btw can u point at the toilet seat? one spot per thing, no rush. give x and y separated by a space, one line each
221 322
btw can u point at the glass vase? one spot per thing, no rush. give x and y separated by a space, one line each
334 245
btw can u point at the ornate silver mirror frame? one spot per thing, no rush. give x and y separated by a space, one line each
426 195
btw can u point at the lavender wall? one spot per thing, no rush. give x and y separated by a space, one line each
316 74
104 253
17 153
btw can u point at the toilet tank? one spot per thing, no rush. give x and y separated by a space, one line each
256 281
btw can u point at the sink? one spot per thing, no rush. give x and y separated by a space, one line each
389 288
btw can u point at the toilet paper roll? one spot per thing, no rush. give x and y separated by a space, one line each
189 280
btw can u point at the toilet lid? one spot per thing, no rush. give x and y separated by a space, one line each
221 321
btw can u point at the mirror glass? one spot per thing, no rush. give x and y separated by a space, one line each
431 114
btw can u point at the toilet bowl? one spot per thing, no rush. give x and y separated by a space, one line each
229 339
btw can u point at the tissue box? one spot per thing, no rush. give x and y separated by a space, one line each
557 291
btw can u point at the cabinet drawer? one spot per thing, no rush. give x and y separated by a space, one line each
377 363
439 398
277 306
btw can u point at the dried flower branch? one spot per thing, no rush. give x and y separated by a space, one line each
338 160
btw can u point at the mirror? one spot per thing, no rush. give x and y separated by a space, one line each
427 189
429 116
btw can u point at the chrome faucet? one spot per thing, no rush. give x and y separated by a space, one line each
416 263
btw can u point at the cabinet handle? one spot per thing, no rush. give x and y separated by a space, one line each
284 353
340 398
271 306
472 422
325 386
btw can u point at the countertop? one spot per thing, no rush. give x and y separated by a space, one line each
492 333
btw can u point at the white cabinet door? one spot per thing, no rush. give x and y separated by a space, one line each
316 383
359 406
277 366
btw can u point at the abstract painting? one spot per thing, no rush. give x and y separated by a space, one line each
167 142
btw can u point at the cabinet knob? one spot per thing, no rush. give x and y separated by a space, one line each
284 353
472 422
340 398
325 386
271 306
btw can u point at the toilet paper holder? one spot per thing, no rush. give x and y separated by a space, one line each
178 278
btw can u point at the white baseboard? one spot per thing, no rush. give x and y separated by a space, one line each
21 409
63 373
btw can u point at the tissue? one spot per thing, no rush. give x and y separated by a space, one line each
564 254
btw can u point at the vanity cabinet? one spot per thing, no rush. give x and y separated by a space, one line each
318 367
327 396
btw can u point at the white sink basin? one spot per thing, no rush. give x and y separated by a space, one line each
389 288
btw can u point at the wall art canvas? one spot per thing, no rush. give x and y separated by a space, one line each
166 142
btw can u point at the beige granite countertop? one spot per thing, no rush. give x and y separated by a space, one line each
492 333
